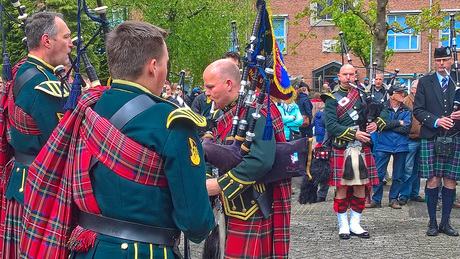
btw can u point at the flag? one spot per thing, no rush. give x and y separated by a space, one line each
280 86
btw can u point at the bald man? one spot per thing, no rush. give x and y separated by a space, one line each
343 113
251 234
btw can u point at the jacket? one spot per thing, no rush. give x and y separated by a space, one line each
292 118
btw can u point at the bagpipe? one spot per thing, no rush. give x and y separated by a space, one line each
453 36
238 143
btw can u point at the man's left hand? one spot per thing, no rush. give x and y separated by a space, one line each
213 187
371 127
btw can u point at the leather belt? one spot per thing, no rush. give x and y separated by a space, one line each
24 159
129 230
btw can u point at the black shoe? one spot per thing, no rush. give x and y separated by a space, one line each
320 199
344 236
418 199
448 230
432 228
402 201
362 235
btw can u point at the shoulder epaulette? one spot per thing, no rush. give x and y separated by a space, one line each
186 113
52 88
324 96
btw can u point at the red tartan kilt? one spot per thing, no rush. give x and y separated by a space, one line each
337 162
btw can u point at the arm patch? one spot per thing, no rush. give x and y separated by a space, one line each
53 88
186 113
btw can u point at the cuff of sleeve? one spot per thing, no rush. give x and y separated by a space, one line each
231 186
380 123
348 135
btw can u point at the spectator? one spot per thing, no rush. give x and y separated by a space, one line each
393 140
334 83
292 119
305 107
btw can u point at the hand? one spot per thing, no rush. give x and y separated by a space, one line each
213 187
445 123
455 115
371 127
293 117
362 136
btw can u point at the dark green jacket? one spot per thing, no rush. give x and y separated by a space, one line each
183 204
41 98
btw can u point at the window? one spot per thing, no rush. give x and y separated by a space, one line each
445 34
402 41
325 73
328 16
280 30
117 16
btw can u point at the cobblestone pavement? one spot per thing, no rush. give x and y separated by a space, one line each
394 233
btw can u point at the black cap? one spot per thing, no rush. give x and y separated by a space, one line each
397 88
442 52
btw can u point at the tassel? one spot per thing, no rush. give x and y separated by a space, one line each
363 174
268 130
74 93
81 240
7 68
348 173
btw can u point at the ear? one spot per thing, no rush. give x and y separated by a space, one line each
153 66
46 40
229 85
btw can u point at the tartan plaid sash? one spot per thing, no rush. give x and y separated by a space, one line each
281 189
19 119
60 173
6 151
352 95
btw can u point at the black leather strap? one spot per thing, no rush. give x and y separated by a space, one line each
23 79
23 159
126 113
130 110
129 230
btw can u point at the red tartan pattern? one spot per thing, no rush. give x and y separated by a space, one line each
6 151
12 224
341 205
352 95
338 161
252 238
273 233
19 119
358 204
59 173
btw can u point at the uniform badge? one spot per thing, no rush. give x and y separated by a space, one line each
60 116
344 101
353 114
193 152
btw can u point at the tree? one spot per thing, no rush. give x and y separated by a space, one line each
363 22
200 30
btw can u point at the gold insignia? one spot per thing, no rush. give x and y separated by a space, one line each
193 151
186 113
60 115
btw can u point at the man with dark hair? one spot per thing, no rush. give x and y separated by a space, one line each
139 173
34 110
250 233
234 56
305 107
433 107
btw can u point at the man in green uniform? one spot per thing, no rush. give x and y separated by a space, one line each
250 232
34 110
138 170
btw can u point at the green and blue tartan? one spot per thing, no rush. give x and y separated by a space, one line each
433 165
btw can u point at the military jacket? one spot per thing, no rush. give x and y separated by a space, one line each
239 188
182 204
342 129
41 98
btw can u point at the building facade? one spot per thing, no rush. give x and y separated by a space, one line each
316 60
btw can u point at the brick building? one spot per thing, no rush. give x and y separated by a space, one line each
315 60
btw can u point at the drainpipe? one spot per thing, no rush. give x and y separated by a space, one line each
429 46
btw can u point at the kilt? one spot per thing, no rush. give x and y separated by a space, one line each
433 165
12 228
252 238
338 160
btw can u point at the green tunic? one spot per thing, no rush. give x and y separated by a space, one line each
183 204
41 98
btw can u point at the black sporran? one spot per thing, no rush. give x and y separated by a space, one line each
444 146
293 135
